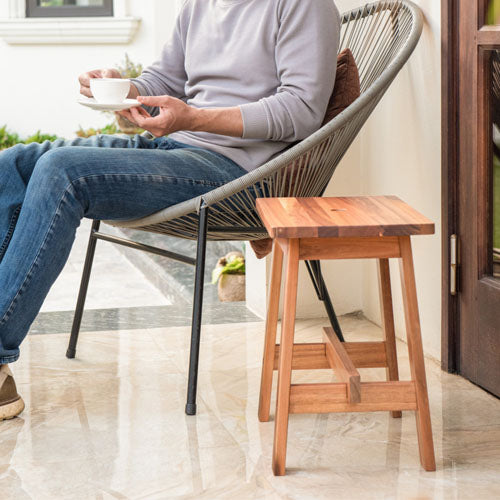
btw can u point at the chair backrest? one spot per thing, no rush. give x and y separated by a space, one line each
381 36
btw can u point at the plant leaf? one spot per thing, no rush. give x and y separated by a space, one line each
216 274
234 266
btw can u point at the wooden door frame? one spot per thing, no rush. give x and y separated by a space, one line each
450 337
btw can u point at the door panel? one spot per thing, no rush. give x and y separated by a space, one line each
478 201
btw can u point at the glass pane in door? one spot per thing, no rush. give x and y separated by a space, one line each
495 175
492 12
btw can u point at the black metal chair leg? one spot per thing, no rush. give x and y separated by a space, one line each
314 269
82 294
197 310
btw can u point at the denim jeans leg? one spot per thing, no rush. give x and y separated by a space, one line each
17 164
68 183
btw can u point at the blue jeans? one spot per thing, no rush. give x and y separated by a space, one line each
46 189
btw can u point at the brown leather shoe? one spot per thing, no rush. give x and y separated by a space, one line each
11 404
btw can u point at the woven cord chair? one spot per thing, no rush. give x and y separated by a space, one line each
382 36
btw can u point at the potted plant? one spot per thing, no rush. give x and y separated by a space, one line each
229 273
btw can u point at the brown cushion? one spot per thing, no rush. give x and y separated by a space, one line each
346 91
347 86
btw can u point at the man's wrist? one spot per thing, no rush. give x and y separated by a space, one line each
198 119
224 121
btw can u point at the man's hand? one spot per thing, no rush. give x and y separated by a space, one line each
85 78
176 115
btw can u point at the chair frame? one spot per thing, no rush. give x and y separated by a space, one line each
202 218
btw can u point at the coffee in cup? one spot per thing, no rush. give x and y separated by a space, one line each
109 90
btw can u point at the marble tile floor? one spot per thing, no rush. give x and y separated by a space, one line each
120 296
114 283
111 425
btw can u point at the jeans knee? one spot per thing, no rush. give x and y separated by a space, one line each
57 175
53 168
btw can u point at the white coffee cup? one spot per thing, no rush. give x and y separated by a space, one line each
109 90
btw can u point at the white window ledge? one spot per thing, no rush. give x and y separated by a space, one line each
69 30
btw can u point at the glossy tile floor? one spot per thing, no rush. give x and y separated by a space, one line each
114 281
110 424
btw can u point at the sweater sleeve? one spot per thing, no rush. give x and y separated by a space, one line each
167 76
306 54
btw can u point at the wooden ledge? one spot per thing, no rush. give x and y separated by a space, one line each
379 247
313 356
332 398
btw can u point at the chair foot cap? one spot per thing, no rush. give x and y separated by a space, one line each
71 353
191 409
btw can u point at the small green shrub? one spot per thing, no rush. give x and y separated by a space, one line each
8 139
234 264
111 128
39 137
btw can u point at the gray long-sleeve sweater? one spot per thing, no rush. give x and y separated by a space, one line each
275 59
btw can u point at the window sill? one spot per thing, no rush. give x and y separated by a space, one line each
69 30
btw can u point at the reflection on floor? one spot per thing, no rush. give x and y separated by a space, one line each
114 281
120 297
111 424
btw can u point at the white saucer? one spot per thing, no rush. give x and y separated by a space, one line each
99 106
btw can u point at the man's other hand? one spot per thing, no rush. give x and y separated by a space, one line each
85 78
176 115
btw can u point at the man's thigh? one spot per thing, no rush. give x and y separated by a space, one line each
124 183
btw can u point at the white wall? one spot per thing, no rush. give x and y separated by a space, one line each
400 154
39 84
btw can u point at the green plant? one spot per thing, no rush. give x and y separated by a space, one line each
39 137
129 69
110 128
233 264
8 139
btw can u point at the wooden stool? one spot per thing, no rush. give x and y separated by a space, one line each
377 227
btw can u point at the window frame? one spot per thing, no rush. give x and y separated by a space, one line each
35 11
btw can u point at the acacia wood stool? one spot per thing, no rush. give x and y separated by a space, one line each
377 227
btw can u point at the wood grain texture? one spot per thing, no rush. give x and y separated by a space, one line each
416 355
330 398
344 217
266 381
387 315
478 339
285 362
305 357
342 365
313 356
349 248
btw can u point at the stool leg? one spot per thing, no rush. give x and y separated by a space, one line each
416 355
266 381
285 358
387 314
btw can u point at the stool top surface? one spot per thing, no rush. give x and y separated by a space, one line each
346 217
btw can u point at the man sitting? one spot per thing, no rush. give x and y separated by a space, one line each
238 81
